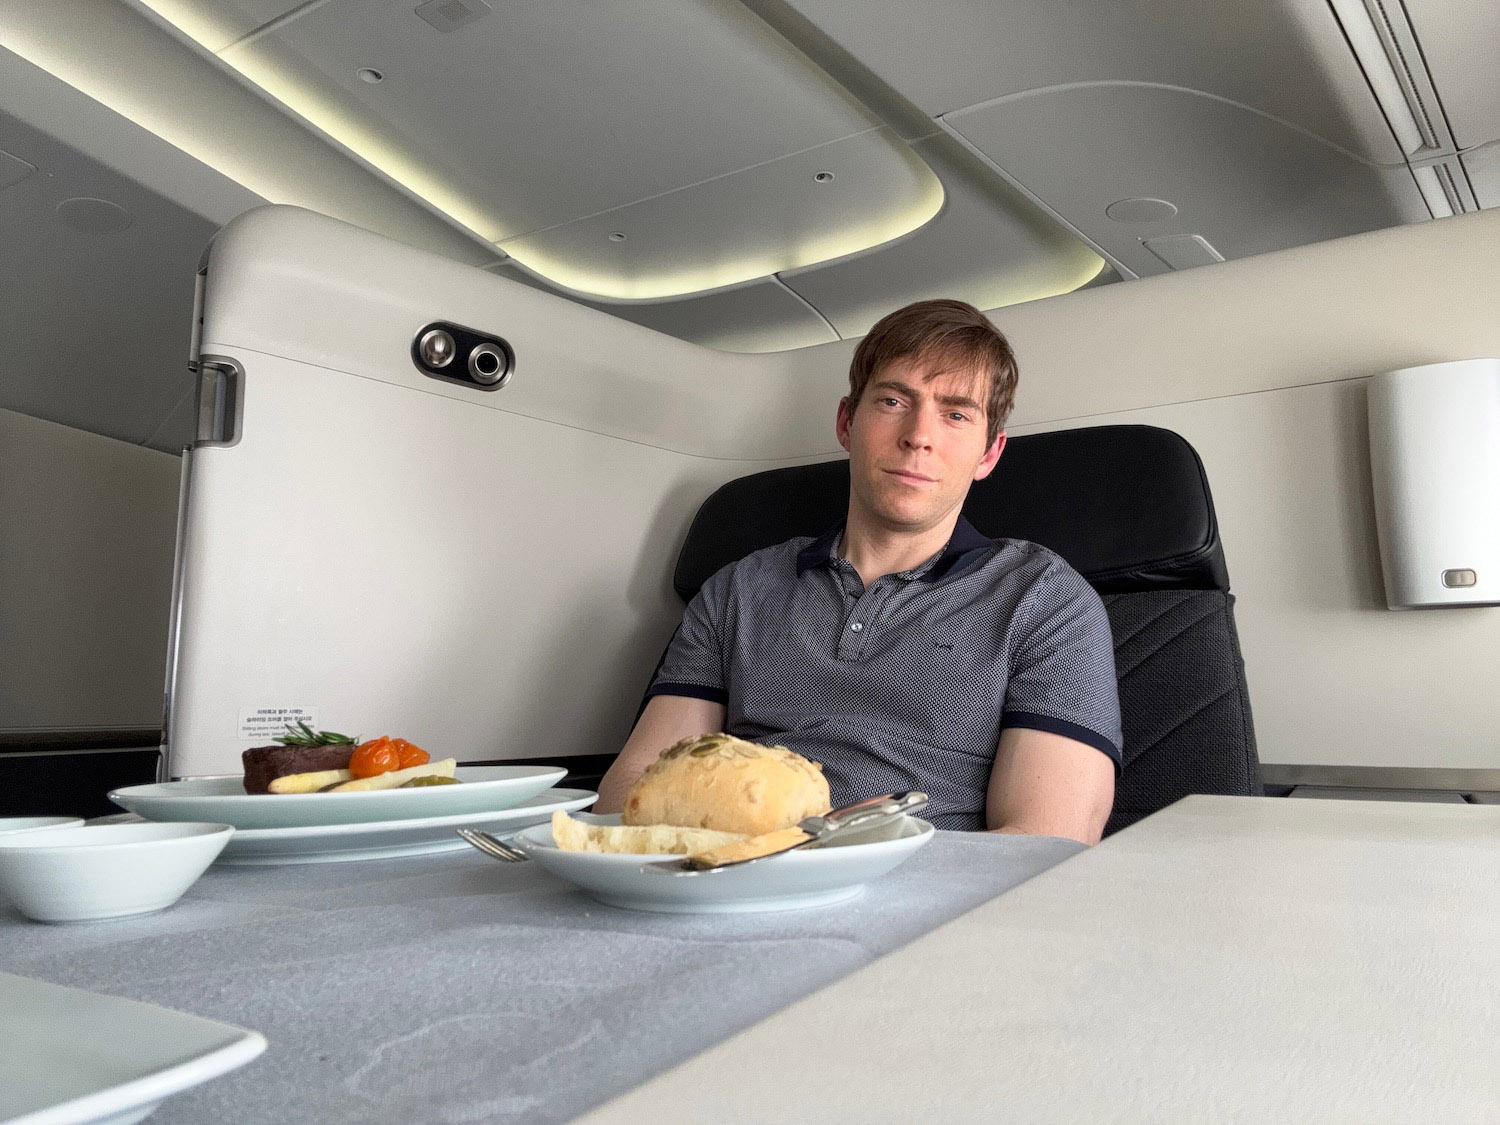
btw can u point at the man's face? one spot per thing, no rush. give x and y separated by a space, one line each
916 443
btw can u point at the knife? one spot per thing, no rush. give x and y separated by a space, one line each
811 832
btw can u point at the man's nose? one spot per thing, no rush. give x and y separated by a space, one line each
918 431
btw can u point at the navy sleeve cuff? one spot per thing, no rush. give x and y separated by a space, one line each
693 691
1067 730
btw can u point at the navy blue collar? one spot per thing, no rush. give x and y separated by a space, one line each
964 550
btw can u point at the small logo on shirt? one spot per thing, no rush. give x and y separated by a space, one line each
942 644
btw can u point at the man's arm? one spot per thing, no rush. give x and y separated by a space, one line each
1046 784
666 720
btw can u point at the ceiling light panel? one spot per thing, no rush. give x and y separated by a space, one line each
537 116
216 25
990 246
1246 183
769 218
118 55
1287 58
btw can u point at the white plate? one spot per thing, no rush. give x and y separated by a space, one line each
386 839
815 877
36 823
223 800
72 1056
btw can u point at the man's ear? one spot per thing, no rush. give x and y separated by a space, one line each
841 422
991 455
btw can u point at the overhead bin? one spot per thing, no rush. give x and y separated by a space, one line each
1245 182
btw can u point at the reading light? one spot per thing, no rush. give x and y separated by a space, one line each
1375 59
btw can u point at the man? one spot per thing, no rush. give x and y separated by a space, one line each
903 650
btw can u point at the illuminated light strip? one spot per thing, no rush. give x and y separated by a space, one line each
350 133
810 251
345 130
74 63
95 82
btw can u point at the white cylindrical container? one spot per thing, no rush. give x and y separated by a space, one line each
1435 464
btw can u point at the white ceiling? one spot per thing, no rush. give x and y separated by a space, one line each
694 128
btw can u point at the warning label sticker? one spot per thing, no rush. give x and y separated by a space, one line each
265 723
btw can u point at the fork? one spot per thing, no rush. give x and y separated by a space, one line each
492 847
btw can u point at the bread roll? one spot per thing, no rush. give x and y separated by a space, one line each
724 783
658 839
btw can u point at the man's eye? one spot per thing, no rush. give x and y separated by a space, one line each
958 416
889 401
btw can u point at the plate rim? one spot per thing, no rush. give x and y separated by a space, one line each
135 790
352 828
243 1045
925 830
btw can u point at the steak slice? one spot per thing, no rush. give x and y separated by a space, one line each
265 764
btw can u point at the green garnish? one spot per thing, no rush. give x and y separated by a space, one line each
304 735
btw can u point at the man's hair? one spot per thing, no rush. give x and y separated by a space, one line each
950 336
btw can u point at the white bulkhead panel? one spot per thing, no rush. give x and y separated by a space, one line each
485 573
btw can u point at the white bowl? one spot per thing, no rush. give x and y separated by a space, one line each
10 824
813 877
110 871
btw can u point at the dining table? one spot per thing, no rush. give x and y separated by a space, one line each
450 987
1236 959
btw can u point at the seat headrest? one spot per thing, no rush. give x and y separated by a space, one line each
1127 506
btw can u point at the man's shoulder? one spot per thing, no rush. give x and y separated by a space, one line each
1030 570
776 562
1023 557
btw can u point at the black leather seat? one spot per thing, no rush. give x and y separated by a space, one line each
1129 507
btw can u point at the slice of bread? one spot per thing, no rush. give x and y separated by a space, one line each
651 839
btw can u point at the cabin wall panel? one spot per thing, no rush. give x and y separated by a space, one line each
87 526
1335 678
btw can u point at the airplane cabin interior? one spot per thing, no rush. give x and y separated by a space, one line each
409 369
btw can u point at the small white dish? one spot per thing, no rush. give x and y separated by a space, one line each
388 839
68 1056
223 800
92 873
814 877
9 824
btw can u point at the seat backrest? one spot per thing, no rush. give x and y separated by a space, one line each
1130 509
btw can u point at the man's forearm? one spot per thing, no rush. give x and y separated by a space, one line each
667 719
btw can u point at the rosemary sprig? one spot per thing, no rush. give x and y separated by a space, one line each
303 735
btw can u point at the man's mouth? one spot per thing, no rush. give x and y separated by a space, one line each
911 477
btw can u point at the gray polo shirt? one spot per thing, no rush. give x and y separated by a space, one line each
908 683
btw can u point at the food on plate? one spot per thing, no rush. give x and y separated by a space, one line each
310 761
726 784
301 750
656 839
309 782
397 778
738 851
385 755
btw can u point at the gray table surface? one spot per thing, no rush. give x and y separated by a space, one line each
1229 959
455 988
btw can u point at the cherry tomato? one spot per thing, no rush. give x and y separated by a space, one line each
410 754
379 755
